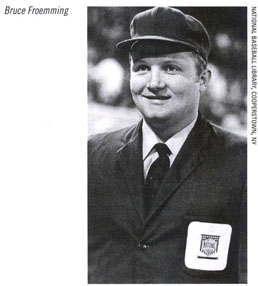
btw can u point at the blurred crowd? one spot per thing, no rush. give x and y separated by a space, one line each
110 105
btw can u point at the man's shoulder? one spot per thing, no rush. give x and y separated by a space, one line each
228 145
111 140
229 138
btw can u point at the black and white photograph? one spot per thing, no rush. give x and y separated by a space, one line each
167 154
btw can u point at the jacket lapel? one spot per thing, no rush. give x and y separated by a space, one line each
130 161
191 155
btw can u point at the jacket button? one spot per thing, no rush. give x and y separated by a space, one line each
142 246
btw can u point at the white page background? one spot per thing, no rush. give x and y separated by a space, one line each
43 146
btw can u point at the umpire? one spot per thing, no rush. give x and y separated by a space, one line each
167 197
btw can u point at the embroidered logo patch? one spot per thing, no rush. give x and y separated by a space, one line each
207 246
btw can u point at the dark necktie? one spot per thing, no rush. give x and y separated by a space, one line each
156 175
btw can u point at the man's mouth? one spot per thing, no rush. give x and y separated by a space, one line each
157 97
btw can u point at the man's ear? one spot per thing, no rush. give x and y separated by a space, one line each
204 80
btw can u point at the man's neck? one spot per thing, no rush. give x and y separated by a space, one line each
165 130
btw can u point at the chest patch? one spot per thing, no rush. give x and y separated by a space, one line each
207 246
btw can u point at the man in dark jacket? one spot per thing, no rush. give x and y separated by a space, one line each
167 197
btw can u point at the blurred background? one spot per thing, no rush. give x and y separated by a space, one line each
110 105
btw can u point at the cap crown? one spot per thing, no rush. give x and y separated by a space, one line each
171 25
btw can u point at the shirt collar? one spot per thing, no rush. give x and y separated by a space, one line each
174 143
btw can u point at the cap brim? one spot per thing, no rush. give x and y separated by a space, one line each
127 44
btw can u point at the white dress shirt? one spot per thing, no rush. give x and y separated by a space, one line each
174 143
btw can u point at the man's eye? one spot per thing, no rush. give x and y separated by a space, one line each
170 68
141 68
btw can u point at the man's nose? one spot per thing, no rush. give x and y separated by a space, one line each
156 81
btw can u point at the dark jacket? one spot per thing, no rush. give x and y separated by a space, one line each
206 184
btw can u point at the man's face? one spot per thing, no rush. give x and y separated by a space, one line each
166 88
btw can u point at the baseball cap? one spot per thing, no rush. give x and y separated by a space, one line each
170 25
